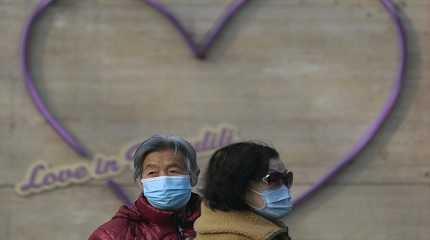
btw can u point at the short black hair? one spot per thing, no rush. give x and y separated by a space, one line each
230 172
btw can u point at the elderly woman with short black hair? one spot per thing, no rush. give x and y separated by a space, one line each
246 193
166 169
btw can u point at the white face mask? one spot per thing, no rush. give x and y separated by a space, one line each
277 202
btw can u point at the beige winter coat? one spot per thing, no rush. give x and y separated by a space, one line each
237 225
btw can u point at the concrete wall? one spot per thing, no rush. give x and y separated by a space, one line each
307 76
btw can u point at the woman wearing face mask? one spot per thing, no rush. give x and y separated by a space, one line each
246 193
166 169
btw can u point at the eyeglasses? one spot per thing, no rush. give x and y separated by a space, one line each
275 177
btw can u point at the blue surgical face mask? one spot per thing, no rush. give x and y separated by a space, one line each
277 202
167 192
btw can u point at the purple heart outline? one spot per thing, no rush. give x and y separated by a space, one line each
200 51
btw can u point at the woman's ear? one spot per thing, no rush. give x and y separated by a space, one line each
253 199
250 199
139 183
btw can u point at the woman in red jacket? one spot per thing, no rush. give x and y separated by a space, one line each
166 169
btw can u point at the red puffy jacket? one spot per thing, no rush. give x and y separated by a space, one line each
141 221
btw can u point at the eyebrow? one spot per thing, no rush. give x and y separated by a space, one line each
176 165
154 166
150 166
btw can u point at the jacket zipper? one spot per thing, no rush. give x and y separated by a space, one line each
178 230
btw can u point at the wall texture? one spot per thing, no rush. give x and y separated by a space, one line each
307 76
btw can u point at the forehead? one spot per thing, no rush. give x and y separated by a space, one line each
277 165
164 157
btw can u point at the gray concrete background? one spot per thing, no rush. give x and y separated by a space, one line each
307 76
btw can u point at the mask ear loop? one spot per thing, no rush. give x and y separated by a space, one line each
140 184
254 192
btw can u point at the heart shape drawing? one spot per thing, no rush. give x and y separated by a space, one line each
199 50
